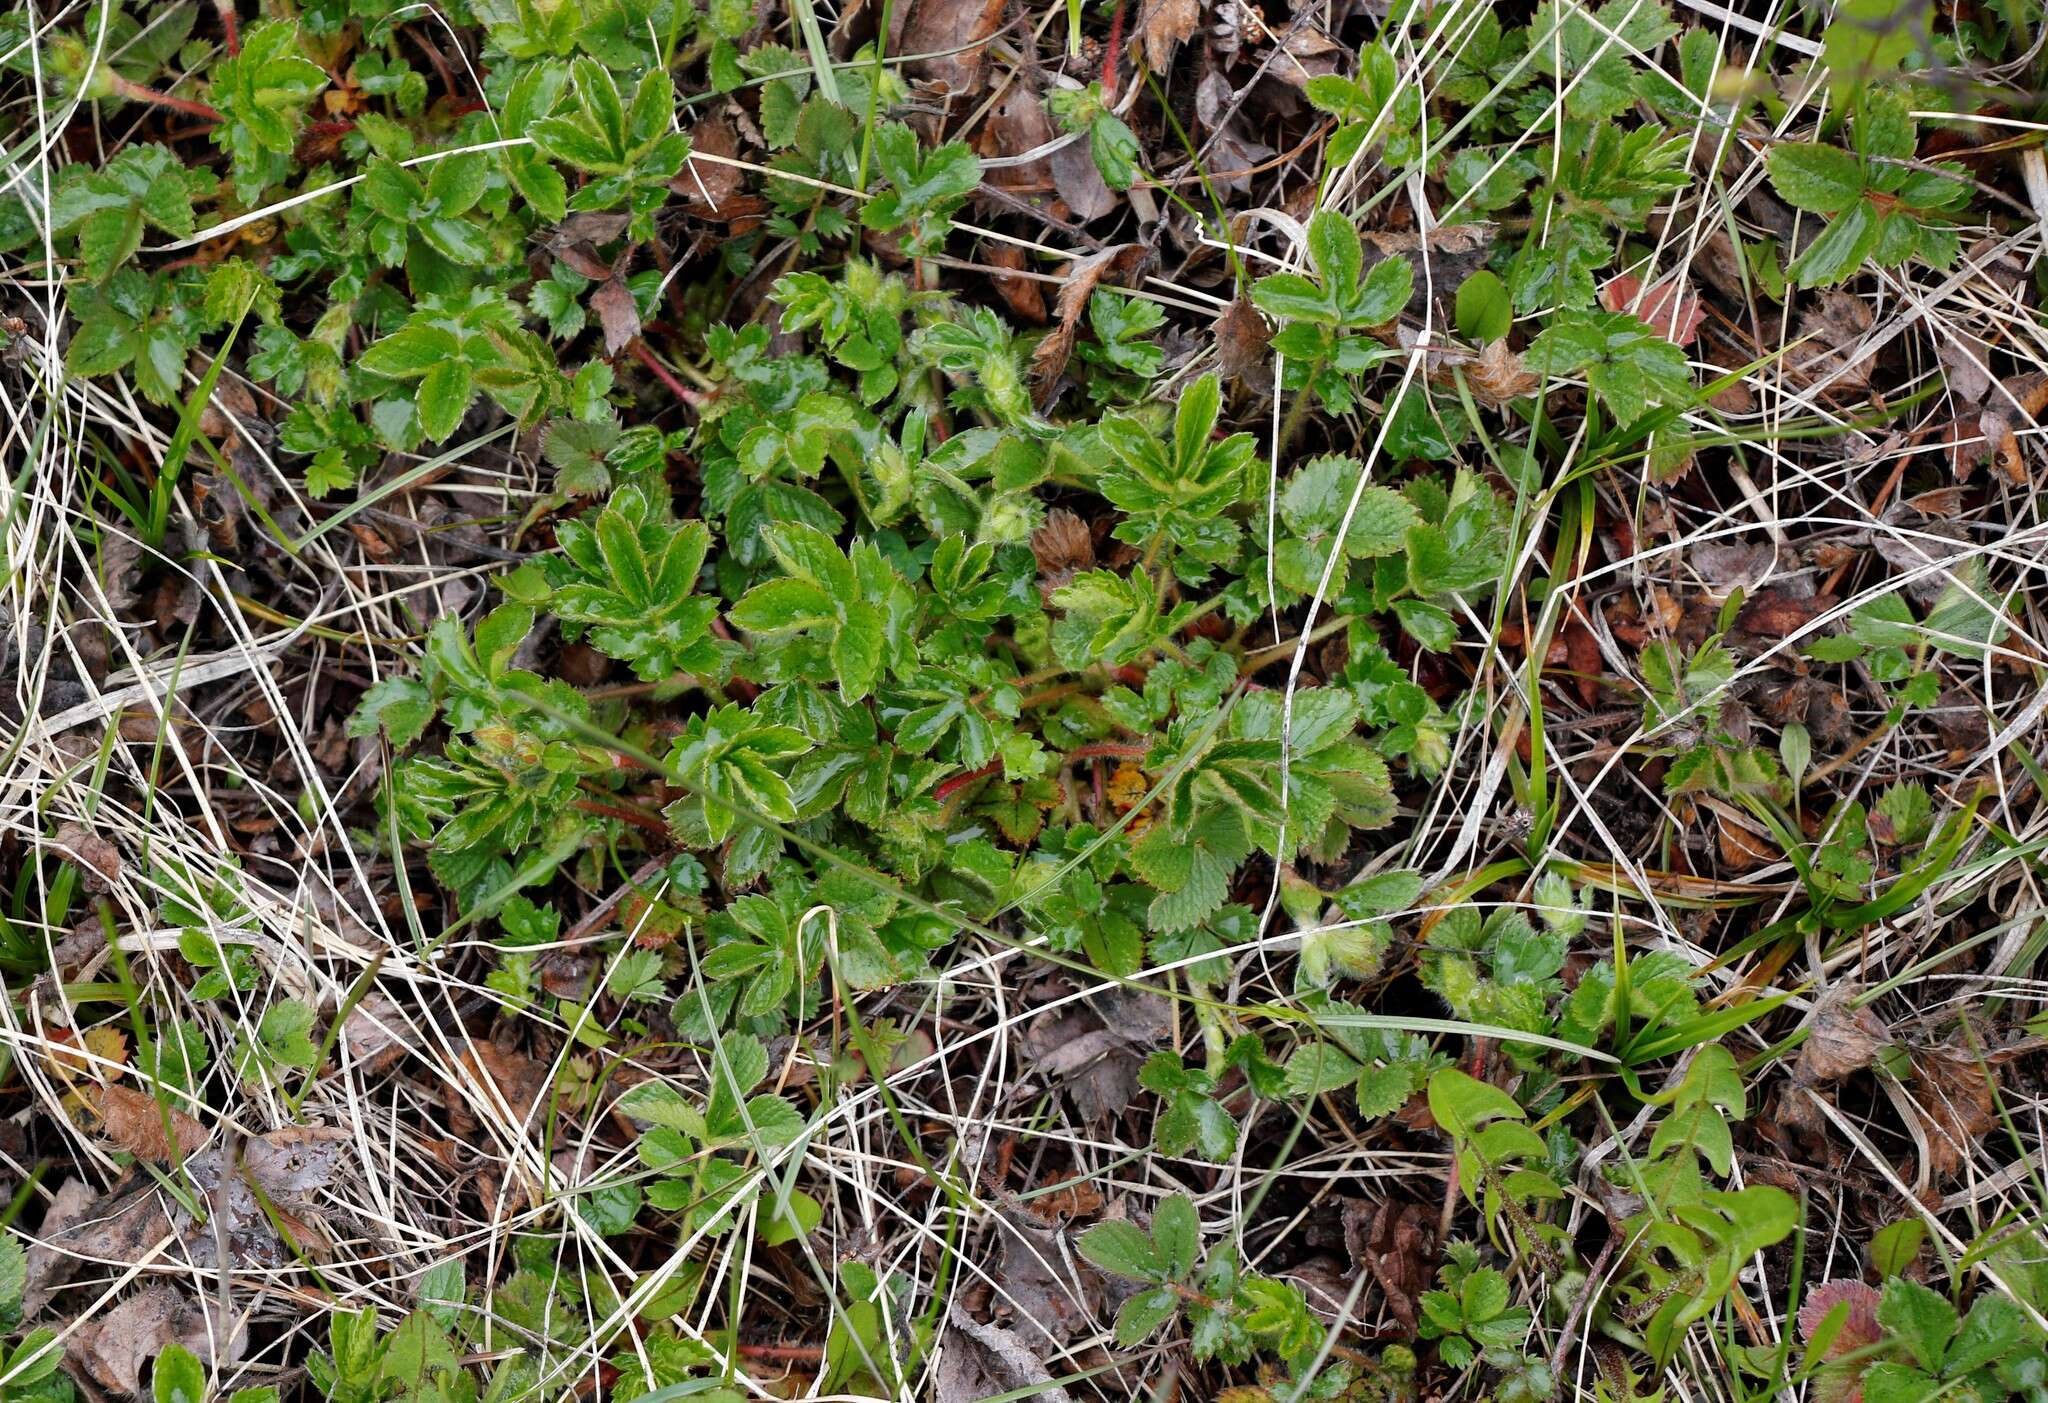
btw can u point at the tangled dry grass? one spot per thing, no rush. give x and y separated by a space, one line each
179 759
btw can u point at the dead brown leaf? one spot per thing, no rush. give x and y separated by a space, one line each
709 188
1733 564
1241 340
113 1348
979 1361
1777 612
1582 656
2019 401
1963 359
1497 375
1043 1286
1833 329
236 1192
292 1163
134 1121
1964 444
1016 124
1398 1246
49 1267
616 313
520 1079
1843 1040
1234 154
1064 547
370 1034
574 241
1119 264
1025 297
1671 312
1064 1198
1859 1330
1741 847
1079 184
1442 258
98 860
1162 27
1305 52
1960 718
1093 1049
1735 397
1813 703
955 34
1955 1097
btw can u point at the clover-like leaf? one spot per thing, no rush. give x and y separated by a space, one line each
1625 361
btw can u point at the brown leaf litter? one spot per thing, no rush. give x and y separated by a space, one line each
1094 1048
135 1122
1671 311
1163 26
950 38
1242 337
1842 1040
2016 404
1957 1104
1831 355
1396 1243
1063 547
1119 265
979 1361
286 1173
1019 124
113 1348
97 859
1045 1290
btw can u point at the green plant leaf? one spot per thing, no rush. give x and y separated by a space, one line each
1122 1249
178 1376
1919 1319
1820 179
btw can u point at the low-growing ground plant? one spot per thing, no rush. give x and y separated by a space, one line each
761 701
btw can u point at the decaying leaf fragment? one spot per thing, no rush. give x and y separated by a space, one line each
113 1348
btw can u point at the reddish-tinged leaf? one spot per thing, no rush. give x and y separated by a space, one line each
1672 313
1860 1330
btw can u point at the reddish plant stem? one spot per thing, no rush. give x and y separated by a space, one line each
230 31
1050 694
135 92
1112 749
790 1354
959 782
1116 42
693 398
639 818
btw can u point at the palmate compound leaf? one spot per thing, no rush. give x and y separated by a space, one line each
1184 486
1626 363
627 578
732 758
1313 507
144 185
1337 296
855 605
